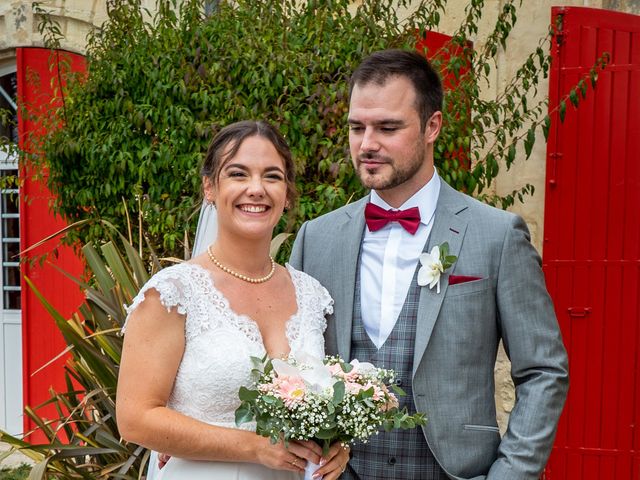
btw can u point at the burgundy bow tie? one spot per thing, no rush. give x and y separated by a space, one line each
378 217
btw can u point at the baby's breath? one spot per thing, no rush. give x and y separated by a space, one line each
355 408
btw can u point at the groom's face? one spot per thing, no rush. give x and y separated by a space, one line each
388 145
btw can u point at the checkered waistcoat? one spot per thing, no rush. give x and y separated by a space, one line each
400 454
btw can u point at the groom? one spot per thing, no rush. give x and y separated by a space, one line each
441 341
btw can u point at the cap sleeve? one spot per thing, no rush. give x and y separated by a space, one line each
314 293
170 285
325 300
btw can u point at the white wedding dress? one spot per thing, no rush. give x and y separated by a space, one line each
216 360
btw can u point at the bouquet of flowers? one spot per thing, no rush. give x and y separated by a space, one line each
325 400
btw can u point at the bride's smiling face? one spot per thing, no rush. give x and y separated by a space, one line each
250 192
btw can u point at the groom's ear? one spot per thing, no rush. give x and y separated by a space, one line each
432 128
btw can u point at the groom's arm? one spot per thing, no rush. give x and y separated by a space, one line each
539 369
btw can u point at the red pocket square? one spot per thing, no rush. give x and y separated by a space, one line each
455 279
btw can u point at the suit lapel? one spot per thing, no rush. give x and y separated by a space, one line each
351 232
448 227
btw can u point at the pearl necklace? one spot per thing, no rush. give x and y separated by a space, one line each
239 275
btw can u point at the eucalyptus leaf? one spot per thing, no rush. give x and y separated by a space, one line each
397 390
243 415
247 395
338 393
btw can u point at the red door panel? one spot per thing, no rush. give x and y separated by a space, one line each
592 244
41 340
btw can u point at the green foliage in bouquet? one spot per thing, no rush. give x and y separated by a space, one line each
325 400
161 84
83 441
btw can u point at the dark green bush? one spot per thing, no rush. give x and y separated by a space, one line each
159 86
130 134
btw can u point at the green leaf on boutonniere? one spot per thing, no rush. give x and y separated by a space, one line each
446 259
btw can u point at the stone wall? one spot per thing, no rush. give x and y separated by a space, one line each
629 6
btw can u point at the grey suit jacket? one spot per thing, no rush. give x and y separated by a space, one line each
459 330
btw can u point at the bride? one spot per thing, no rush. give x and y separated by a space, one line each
193 328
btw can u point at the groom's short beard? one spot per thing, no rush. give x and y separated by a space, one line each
399 173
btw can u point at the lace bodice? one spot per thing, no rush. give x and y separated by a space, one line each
219 342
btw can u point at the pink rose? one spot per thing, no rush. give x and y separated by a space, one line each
336 370
353 388
392 402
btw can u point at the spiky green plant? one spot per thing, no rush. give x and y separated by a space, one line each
83 442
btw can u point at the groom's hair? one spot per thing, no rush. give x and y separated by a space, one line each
380 66
226 144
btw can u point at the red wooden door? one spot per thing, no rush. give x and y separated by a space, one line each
592 244
41 340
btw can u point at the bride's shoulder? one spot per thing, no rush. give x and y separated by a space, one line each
174 284
184 273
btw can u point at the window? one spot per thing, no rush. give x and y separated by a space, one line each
10 311
9 204
10 236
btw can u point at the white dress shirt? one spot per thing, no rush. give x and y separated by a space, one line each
388 262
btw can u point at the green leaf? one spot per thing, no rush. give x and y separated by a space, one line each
529 141
119 270
583 88
97 266
573 96
247 395
338 393
511 154
327 434
364 394
38 471
546 125
562 110
387 425
277 242
346 366
243 415
397 390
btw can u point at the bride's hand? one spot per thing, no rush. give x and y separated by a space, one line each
293 458
334 463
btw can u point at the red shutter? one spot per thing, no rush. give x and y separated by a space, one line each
439 47
41 340
592 244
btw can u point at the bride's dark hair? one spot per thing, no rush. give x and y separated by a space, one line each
226 143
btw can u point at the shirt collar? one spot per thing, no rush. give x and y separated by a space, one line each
425 199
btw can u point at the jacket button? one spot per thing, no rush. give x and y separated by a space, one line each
399 382
392 460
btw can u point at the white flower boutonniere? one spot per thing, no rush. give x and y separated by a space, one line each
434 264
